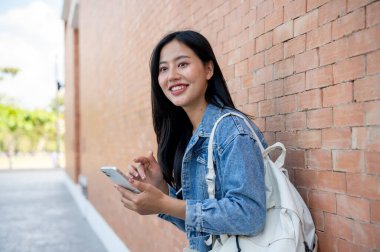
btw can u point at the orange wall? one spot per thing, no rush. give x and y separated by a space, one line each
308 70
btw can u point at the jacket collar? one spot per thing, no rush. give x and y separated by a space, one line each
212 113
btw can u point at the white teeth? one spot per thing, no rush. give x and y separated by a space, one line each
176 88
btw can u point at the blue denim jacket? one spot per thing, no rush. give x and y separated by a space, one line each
239 206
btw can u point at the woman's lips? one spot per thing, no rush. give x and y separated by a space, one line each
178 89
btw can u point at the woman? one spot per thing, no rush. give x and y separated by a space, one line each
188 95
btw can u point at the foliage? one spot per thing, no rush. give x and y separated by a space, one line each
23 130
8 70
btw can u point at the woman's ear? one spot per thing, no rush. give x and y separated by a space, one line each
209 70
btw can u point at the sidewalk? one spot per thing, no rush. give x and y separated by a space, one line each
38 214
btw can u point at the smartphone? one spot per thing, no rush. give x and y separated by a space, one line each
118 177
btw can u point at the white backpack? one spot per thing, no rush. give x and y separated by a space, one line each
288 225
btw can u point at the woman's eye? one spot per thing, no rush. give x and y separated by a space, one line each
162 69
183 64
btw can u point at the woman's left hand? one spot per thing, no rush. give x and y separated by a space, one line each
148 201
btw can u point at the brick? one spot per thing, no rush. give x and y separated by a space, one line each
267 108
294 84
375 211
294 9
294 46
304 178
283 68
373 16
331 182
256 93
364 41
256 62
310 100
260 123
274 54
274 89
319 159
241 97
372 161
366 138
295 121
367 89
306 61
274 19
306 23
337 94
356 4
264 41
332 221
229 45
349 69
283 32
349 23
320 118
286 104
233 57
275 123
246 81
361 185
325 201
318 37
229 72
313 4
249 18
247 50
309 139
349 115
263 75
348 160
264 9
318 219
366 235
294 158
344 245
241 68
327 242
242 38
257 29
336 138
373 62
251 109
332 10
333 52
320 77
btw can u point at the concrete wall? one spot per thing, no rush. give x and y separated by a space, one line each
308 70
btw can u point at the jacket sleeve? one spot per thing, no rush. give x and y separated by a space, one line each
179 223
242 208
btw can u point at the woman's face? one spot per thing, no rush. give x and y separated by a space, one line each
183 76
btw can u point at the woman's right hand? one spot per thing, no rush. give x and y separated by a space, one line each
148 170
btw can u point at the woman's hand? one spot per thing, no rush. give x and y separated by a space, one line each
151 200
148 170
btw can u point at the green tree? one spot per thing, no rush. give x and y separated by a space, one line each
8 71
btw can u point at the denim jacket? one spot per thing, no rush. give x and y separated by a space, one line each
239 206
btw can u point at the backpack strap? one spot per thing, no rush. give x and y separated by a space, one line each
210 177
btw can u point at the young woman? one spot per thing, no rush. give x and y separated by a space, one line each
188 95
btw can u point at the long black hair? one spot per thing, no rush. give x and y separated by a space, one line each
171 124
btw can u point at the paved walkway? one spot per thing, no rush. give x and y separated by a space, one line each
38 214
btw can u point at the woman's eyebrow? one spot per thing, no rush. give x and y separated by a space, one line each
176 59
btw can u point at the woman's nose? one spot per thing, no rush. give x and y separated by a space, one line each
173 74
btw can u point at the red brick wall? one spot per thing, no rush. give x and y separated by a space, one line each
308 70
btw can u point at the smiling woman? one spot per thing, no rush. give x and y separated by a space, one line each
189 94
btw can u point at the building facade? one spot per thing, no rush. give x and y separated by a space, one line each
307 70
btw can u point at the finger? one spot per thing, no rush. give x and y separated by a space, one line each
125 193
132 170
142 160
151 156
141 186
141 171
